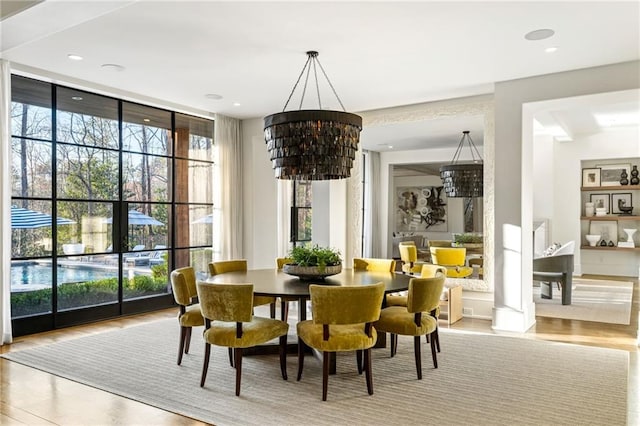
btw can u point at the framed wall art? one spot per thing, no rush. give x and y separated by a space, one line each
600 201
591 177
610 174
623 198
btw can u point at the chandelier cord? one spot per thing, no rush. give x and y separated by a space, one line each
312 57
472 148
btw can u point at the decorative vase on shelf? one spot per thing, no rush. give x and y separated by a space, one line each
623 178
589 209
634 176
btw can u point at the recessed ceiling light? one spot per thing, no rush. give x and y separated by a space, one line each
74 57
76 98
236 104
551 49
146 120
390 146
539 34
113 67
213 96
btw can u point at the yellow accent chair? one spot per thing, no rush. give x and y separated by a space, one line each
240 265
374 265
409 258
183 285
416 319
229 321
453 258
342 321
284 301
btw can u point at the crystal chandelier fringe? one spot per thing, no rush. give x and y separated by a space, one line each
312 144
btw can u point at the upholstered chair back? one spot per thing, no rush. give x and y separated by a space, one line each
346 305
183 284
408 252
448 256
374 265
223 266
424 293
226 302
281 261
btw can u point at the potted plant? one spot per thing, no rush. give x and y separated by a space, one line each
313 261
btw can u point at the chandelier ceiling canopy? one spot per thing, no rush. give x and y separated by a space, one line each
314 144
463 179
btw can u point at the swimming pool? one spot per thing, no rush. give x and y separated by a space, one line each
31 275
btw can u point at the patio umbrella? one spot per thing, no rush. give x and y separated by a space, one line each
30 219
138 218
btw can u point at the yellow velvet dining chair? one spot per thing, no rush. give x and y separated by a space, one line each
409 257
415 319
342 321
284 301
183 286
374 265
453 258
229 321
240 265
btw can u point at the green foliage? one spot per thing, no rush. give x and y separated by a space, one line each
315 256
467 237
161 271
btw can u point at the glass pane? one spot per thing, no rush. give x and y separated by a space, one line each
146 129
30 168
303 194
148 226
90 232
194 183
304 224
146 273
146 177
85 172
194 138
30 288
194 225
84 282
30 108
199 258
87 119
30 228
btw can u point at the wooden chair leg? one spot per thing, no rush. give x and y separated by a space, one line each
436 337
393 344
300 358
359 360
272 310
325 374
230 350
238 362
183 337
433 353
418 355
205 364
367 370
283 356
187 342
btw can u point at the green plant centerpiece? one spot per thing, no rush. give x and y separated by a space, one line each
313 262
467 238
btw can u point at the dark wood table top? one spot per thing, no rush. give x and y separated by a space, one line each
273 282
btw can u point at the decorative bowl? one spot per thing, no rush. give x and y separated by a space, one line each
593 239
311 272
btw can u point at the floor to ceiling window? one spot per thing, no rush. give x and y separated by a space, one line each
105 203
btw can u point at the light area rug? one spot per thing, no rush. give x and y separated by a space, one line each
481 379
591 300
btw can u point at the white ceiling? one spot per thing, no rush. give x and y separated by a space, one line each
377 54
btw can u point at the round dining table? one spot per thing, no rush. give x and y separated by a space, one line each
275 282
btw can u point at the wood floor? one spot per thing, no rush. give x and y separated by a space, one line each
32 397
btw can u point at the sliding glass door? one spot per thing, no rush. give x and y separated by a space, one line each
101 195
